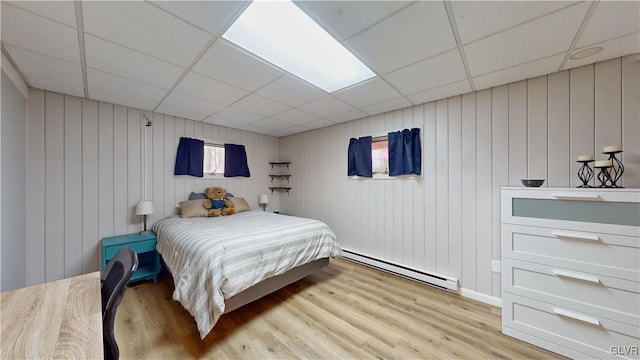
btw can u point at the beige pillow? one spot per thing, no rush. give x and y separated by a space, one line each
240 204
192 208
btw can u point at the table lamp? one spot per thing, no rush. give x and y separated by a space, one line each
144 208
263 200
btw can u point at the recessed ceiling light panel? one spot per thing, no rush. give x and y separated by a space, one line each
281 33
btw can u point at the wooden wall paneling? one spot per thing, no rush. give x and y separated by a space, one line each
134 168
408 196
120 171
429 155
630 122
418 218
500 132
455 186
157 175
390 251
537 129
468 177
378 128
105 170
558 134
608 112
398 193
517 133
581 138
36 188
189 181
73 186
178 126
54 195
170 148
483 191
442 187
90 184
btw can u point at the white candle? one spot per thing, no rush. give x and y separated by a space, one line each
603 163
585 158
612 148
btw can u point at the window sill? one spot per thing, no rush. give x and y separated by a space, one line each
387 177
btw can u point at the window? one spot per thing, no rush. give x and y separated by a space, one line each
380 155
213 164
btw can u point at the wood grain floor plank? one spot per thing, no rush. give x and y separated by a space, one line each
344 311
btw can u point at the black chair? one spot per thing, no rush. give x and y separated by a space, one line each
113 285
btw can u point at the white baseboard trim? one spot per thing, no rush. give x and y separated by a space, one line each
487 299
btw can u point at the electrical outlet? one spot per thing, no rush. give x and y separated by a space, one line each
496 266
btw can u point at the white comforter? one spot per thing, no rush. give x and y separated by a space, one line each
212 259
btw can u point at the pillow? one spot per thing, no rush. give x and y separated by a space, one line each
240 204
194 196
192 208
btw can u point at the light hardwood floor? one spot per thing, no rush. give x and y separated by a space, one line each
344 311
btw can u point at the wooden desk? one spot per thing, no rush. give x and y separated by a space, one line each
60 319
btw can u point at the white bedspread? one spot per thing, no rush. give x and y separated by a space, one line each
212 259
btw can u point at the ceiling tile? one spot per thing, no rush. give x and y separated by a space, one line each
524 71
347 116
618 47
260 105
527 42
232 118
295 116
611 19
61 11
144 96
318 123
227 63
291 91
267 125
35 33
57 86
428 74
478 19
345 18
367 93
388 105
211 16
118 60
121 99
289 131
441 92
420 31
208 89
35 64
186 105
326 106
141 26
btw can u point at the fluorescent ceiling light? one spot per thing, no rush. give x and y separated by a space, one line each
281 33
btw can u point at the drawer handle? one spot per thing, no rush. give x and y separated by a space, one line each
576 316
570 196
577 276
574 235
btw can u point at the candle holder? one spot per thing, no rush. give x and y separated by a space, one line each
585 173
617 169
604 175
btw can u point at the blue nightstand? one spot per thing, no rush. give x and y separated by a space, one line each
145 247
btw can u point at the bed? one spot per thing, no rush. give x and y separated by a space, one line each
222 263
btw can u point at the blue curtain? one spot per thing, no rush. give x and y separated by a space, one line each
359 157
235 161
190 157
405 156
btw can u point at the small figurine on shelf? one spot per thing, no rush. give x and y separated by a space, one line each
585 173
616 165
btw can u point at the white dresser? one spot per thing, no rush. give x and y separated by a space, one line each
571 270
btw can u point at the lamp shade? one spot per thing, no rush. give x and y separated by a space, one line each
144 207
263 199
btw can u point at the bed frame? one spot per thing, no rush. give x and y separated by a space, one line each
273 284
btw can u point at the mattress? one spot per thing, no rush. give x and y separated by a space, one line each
213 259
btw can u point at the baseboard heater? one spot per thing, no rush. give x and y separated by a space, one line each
441 281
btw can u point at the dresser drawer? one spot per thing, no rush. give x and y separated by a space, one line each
139 247
588 334
599 253
599 295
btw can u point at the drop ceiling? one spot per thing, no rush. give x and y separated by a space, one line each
169 57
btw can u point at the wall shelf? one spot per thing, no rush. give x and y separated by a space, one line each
279 184
280 177
279 188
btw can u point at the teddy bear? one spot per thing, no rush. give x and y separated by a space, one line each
216 202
